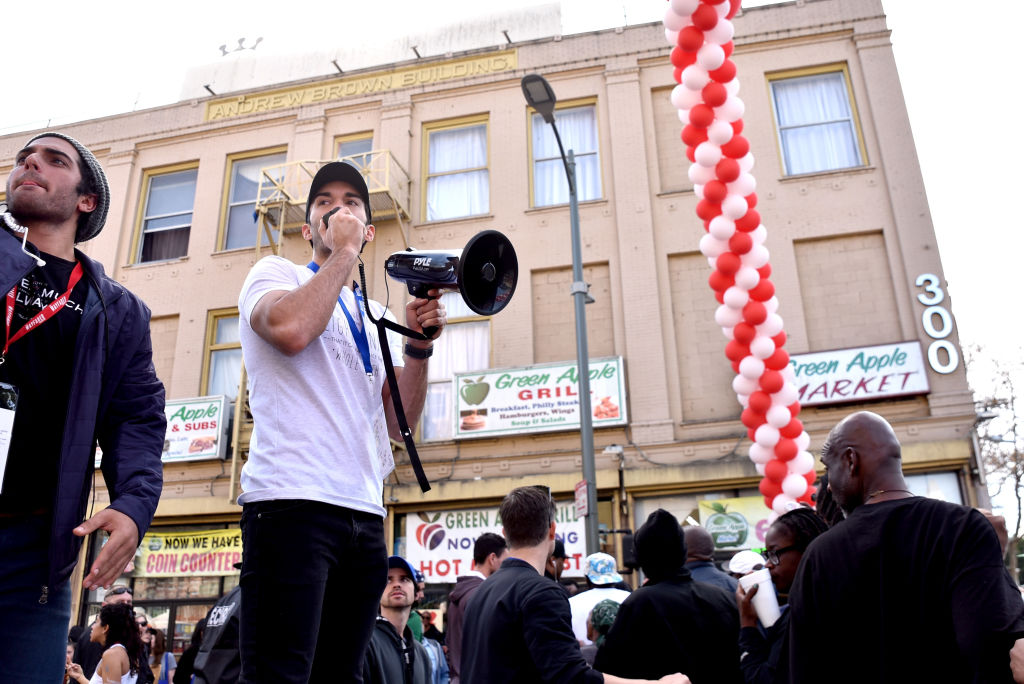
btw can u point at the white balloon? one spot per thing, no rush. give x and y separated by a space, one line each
701 174
804 441
713 263
784 503
746 162
712 247
671 37
684 7
730 110
684 114
772 305
759 235
711 56
720 132
742 385
766 436
746 278
728 332
734 207
727 317
771 327
708 154
757 257
760 454
744 400
695 77
673 21
802 463
732 87
787 395
752 367
744 185
736 297
778 416
698 190
790 375
721 33
723 229
684 98
722 8
762 346
794 485
759 467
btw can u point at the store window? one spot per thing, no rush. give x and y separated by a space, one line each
464 346
458 180
356 149
578 128
245 172
222 366
166 214
816 121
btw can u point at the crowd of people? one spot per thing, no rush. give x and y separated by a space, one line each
882 585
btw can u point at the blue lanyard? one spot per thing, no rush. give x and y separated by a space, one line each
358 334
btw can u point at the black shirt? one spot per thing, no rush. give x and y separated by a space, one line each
39 365
911 590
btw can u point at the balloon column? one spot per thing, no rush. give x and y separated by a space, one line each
701 32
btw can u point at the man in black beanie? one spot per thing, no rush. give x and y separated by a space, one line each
672 624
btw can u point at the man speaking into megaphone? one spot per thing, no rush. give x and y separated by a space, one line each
314 559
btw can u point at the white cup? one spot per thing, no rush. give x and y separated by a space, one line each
765 602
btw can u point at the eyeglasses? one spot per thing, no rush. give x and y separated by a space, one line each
119 589
773 556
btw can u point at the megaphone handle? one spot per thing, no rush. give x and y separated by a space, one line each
420 290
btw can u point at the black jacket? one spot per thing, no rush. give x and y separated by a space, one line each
458 599
764 656
391 659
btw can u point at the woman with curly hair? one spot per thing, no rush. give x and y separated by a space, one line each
115 629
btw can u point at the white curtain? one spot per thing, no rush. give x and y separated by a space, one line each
816 123
454 194
578 128
225 370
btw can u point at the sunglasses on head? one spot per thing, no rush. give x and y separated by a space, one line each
119 589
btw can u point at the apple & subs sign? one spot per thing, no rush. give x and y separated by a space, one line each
542 398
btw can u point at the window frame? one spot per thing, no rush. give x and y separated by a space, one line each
339 140
225 202
431 127
210 344
858 131
140 215
577 103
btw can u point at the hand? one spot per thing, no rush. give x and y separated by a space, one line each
343 229
1017 661
423 313
744 600
675 679
75 671
119 549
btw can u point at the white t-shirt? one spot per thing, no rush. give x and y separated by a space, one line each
319 429
582 603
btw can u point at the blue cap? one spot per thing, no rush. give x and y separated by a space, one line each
397 562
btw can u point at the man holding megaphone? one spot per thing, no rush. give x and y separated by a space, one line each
314 557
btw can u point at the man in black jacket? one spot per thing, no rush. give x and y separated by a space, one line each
394 656
489 550
672 623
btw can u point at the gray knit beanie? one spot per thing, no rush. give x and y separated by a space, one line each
89 225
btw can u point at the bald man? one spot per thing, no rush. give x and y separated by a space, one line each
906 588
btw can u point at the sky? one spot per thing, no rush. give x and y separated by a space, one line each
959 66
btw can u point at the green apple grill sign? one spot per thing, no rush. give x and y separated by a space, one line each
726 529
542 398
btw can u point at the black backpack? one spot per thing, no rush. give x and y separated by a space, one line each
218 660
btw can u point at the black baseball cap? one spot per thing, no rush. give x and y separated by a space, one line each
339 171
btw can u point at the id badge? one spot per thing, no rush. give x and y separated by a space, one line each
8 405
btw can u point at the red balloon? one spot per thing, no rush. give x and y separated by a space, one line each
811 478
794 408
772 381
751 200
708 210
751 433
775 470
691 39
720 282
768 502
734 7
751 419
749 221
714 2
728 263
720 298
724 73
677 73
755 313
735 364
765 271
764 290
676 57
701 115
741 243
778 360
744 333
786 450
714 94
737 147
690 156
793 429
760 402
737 126
780 339
736 351
715 191
704 17
727 49
768 488
693 136
727 170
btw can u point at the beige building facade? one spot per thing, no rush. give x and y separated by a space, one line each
450 149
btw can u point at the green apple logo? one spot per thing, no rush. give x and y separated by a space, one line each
474 393
726 529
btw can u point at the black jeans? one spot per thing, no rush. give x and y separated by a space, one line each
312 579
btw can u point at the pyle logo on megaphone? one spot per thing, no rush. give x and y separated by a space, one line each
485 271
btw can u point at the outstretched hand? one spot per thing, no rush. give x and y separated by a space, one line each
119 549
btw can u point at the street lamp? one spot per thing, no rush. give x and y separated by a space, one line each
541 97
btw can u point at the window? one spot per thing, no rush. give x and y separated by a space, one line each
464 346
244 172
456 170
167 214
578 128
817 124
356 148
223 365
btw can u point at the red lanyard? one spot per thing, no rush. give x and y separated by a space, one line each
48 312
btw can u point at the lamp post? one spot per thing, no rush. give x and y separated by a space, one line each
541 97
